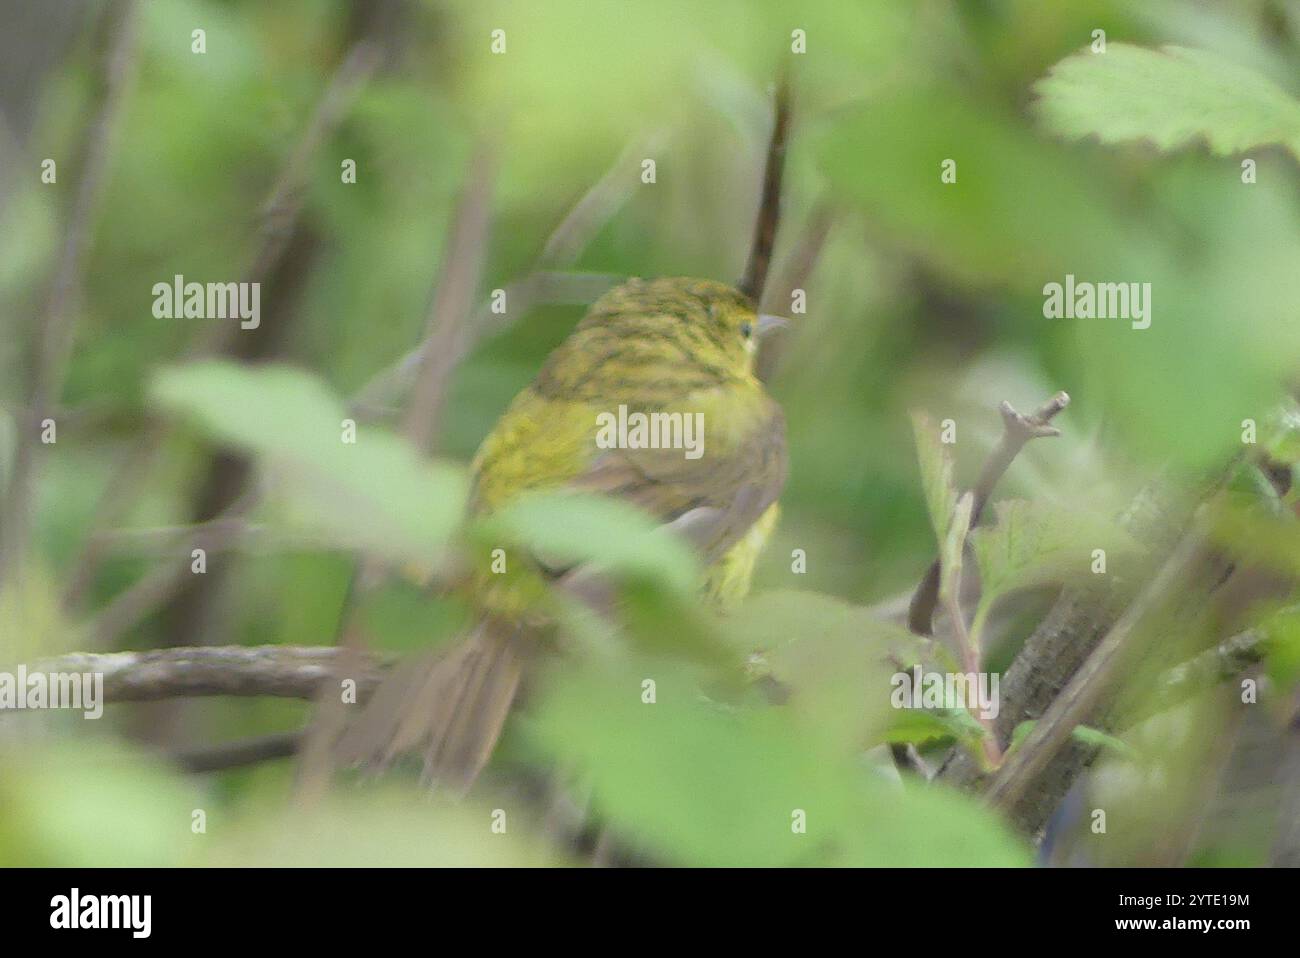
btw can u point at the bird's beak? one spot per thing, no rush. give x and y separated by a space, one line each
767 323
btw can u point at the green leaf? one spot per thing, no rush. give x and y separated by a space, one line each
963 725
1171 97
987 229
696 783
935 459
93 805
835 659
1095 737
1038 543
1084 734
917 726
950 556
571 528
926 724
655 572
1283 630
773 621
391 826
376 493
1281 439
1019 734
1267 540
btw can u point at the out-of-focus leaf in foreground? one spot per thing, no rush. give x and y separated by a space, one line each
988 228
375 493
1172 97
579 528
698 782
609 544
92 805
834 660
1284 647
386 827
1038 543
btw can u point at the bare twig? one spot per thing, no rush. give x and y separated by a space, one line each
224 533
543 288
544 284
284 205
807 248
227 755
278 671
464 254
769 208
1017 431
113 505
55 334
132 606
794 274
596 206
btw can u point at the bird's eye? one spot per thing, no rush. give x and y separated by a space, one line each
747 329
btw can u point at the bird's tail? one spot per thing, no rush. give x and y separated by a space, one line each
451 706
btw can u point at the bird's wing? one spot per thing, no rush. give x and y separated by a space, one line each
711 501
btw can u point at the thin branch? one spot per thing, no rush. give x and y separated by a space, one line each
596 207
161 541
280 214
282 209
228 755
56 329
132 606
795 274
277 671
113 505
301 672
1017 431
284 206
1058 647
121 29
291 671
769 207
1225 661
1077 701
542 288
544 284
464 254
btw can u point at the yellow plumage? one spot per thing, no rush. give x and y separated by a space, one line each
666 346
671 345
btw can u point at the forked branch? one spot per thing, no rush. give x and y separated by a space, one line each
1017 431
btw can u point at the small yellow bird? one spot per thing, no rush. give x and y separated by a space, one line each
669 346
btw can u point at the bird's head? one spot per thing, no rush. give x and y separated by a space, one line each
695 331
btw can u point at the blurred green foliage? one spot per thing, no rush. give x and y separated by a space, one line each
926 295
372 492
